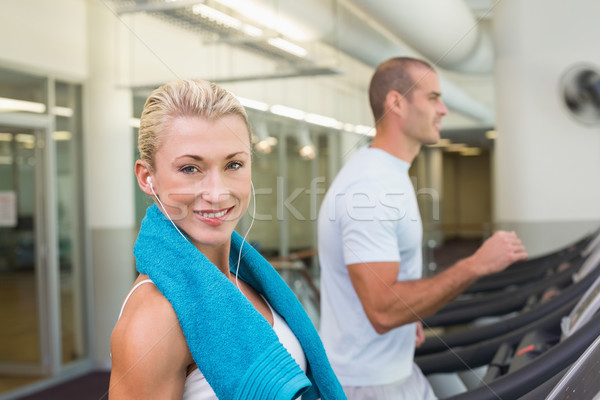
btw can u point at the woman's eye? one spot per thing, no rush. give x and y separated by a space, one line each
234 165
188 169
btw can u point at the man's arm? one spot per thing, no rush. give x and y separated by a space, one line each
389 303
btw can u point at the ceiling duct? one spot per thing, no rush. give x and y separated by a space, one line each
444 31
352 29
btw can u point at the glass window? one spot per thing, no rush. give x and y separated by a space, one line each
67 146
22 93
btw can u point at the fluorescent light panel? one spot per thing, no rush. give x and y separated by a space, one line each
255 104
217 16
226 20
21 105
134 122
289 112
443 142
62 111
288 46
268 18
470 151
491 134
323 121
61 135
364 130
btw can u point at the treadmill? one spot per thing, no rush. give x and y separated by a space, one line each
581 381
544 305
521 363
558 272
526 271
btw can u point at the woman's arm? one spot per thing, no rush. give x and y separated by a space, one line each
149 351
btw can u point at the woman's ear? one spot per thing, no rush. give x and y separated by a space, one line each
144 177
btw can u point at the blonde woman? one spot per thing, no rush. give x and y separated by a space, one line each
207 317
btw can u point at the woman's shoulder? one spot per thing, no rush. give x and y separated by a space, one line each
148 347
147 318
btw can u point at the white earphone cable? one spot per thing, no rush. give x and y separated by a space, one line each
243 239
237 269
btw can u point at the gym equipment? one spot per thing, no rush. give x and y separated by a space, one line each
520 361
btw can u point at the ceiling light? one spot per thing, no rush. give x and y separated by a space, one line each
286 111
5 137
349 127
491 134
134 122
226 20
217 16
62 111
444 142
322 120
61 135
255 104
308 152
24 137
307 148
252 30
21 105
365 130
267 17
455 147
287 46
470 151
27 140
264 142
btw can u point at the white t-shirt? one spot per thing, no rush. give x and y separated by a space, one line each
369 214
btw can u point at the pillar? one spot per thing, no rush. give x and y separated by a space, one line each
109 179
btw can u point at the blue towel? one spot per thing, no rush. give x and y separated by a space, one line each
231 342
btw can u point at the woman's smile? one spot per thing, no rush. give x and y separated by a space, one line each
214 217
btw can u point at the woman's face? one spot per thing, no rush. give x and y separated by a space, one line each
203 176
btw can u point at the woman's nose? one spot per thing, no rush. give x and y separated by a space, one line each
214 189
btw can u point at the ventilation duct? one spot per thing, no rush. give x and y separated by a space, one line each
352 30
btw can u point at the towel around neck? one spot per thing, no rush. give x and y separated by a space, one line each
231 342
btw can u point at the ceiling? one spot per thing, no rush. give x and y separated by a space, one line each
454 35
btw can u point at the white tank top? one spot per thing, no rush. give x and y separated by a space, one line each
196 386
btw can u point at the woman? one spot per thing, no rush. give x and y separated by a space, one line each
207 317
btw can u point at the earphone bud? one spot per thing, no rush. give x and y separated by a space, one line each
149 181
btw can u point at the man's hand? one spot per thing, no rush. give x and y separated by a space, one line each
498 252
420 334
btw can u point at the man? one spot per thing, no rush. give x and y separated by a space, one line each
370 233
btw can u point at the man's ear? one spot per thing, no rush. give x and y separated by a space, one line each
395 102
144 177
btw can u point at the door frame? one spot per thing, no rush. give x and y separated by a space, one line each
46 257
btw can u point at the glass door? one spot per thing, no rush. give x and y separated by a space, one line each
44 308
20 255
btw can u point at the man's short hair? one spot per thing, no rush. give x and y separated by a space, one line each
393 74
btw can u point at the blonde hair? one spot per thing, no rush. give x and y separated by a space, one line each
182 98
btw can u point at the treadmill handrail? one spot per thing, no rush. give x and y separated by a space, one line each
478 354
542 368
472 335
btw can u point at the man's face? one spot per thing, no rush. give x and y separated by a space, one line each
425 108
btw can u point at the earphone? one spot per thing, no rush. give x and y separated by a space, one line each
149 181
237 269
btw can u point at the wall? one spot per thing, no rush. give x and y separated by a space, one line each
547 164
45 36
